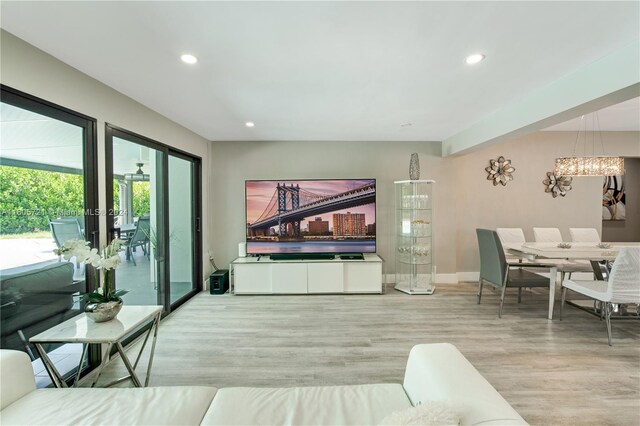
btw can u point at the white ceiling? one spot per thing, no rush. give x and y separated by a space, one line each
624 116
325 70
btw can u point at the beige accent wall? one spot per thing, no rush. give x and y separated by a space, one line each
26 68
629 229
523 202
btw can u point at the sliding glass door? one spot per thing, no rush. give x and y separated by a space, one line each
137 217
183 226
155 195
48 195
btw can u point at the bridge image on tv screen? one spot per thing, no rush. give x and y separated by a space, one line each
311 216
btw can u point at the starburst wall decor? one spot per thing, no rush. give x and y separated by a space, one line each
500 171
557 185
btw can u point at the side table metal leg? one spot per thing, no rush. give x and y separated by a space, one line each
103 362
132 372
56 378
156 324
79 370
553 273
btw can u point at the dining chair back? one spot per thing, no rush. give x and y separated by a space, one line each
493 263
547 235
624 280
623 286
495 269
584 235
510 235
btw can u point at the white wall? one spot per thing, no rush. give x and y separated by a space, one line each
26 68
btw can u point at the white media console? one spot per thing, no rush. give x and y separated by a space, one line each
261 275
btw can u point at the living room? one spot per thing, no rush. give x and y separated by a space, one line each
351 91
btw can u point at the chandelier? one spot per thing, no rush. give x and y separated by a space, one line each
589 165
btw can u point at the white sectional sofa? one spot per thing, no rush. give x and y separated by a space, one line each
434 372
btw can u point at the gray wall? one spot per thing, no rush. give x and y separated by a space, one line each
26 68
465 199
233 162
629 229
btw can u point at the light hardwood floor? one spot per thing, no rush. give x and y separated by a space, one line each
551 372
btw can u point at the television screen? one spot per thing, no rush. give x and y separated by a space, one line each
311 216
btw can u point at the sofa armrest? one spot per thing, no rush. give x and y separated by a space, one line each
439 372
16 376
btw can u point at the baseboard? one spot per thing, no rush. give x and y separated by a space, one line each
440 278
446 278
468 276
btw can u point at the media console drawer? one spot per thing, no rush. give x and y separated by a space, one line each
265 276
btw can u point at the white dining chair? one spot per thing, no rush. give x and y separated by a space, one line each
584 235
623 285
547 235
565 267
511 235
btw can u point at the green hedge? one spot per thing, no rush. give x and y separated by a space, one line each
29 198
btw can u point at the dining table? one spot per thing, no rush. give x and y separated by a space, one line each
593 252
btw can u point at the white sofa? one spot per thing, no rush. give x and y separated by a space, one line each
434 372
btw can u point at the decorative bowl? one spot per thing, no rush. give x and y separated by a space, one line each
102 312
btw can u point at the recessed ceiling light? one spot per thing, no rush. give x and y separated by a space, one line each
474 59
189 59
249 124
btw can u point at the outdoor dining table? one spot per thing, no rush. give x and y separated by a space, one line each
592 252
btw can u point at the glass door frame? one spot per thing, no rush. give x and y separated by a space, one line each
164 273
89 127
196 208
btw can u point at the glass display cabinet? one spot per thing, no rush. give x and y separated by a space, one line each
415 270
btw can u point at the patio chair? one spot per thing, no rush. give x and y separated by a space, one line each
495 269
623 285
65 229
140 238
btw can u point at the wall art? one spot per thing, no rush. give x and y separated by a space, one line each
500 171
557 185
614 203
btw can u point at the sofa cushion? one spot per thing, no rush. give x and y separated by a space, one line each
122 406
37 294
335 405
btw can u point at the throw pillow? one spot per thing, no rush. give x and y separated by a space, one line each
429 413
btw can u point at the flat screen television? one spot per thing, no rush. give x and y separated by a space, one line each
310 216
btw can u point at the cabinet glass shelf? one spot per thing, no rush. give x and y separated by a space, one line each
415 270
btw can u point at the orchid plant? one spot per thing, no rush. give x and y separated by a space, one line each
105 260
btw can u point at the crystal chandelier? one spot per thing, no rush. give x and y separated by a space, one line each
589 165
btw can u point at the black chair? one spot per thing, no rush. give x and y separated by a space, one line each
495 269
139 238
